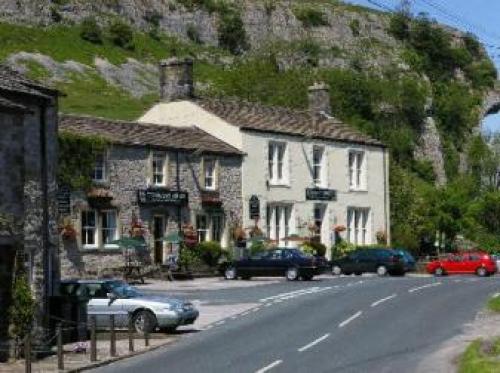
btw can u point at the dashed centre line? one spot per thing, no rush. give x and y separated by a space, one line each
412 290
270 366
313 343
353 317
380 301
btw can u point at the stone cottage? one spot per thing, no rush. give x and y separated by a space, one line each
28 215
306 174
152 181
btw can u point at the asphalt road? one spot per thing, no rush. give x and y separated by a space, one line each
350 324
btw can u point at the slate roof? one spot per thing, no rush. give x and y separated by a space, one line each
142 134
257 117
13 82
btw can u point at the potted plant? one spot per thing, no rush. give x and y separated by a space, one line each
67 230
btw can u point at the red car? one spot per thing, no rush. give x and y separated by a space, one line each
479 263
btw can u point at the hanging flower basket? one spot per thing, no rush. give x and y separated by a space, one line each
339 228
68 232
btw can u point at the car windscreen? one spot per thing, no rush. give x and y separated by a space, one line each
123 290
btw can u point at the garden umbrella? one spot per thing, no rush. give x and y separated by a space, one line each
174 237
127 242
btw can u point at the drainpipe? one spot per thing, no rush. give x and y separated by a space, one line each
386 201
46 252
178 181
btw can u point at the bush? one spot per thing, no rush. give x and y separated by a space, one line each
210 252
355 27
23 307
188 258
341 249
121 35
314 248
90 30
310 17
193 34
257 247
231 32
399 26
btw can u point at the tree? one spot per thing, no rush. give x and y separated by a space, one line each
90 30
121 34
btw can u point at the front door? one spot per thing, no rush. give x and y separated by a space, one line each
158 234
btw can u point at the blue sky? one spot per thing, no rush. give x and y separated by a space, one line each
481 17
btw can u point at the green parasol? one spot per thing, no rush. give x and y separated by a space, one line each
174 237
127 242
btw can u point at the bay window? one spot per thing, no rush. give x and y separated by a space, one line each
358 229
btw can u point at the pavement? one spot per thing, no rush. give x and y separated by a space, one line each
343 324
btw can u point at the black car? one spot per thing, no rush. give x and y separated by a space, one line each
291 263
380 261
408 259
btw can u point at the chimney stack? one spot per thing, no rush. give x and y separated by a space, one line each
176 79
319 99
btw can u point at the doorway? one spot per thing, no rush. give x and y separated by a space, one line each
158 235
7 263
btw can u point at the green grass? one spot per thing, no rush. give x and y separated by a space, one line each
481 357
92 95
494 304
64 43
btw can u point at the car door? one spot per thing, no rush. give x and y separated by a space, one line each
255 265
101 306
471 262
351 262
454 264
367 261
272 263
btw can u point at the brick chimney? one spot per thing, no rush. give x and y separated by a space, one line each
176 79
319 99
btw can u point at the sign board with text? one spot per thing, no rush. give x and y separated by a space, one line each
319 194
162 196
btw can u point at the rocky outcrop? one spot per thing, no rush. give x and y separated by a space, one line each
431 149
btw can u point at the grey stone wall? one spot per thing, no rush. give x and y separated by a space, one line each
127 172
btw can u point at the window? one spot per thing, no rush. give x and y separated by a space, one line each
209 166
210 227
159 168
358 226
356 170
276 163
279 222
99 173
319 214
318 167
108 227
202 228
89 228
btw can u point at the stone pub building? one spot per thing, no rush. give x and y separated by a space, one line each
151 181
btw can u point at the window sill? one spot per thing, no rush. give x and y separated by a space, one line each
355 190
111 249
279 185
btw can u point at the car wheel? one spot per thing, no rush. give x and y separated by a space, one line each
358 273
144 322
382 271
336 271
230 273
481 272
439 271
292 274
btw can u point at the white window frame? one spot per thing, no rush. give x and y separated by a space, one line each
358 226
279 222
205 231
211 222
357 170
100 167
102 228
157 157
319 177
212 176
278 162
319 221
85 228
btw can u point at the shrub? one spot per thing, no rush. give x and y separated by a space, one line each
472 44
257 247
210 252
121 35
341 249
55 15
231 32
355 27
425 170
399 26
90 30
314 248
188 258
310 17
23 307
193 34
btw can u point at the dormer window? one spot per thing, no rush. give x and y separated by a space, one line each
99 172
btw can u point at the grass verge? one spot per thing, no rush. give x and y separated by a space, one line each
481 357
494 304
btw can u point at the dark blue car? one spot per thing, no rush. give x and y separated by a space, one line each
408 259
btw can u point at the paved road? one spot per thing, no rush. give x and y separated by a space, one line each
350 324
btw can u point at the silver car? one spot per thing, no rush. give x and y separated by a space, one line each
115 297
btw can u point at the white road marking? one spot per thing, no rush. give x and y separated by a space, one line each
458 280
268 305
234 317
220 322
313 343
375 304
270 366
256 309
424 287
353 317
285 294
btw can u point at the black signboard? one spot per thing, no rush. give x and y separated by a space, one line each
64 200
318 194
254 207
162 196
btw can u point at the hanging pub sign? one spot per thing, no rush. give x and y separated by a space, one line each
64 200
319 194
254 207
161 196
